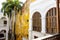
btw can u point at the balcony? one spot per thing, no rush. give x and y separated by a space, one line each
49 37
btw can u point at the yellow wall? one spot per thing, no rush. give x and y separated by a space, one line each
22 22
22 25
33 0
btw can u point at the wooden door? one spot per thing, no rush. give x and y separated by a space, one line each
58 6
51 21
59 1
36 21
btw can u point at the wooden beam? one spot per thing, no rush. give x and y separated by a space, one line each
57 11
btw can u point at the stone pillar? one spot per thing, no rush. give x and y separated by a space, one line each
6 35
43 24
30 29
7 27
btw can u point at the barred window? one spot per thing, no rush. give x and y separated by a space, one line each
36 21
51 21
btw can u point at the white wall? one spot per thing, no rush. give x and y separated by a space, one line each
41 6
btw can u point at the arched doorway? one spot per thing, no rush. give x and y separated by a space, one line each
36 19
51 21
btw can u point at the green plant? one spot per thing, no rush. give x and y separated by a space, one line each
9 5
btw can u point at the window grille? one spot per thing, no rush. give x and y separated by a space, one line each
51 20
36 21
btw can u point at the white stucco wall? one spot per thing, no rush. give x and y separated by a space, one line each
41 6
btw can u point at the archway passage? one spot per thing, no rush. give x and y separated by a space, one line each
51 21
36 22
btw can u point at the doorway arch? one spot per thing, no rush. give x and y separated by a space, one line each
36 22
51 21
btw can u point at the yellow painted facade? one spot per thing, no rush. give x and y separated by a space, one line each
22 22
33 0
22 26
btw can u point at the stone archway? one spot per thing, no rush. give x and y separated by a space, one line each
36 22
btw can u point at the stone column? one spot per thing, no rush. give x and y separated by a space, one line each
6 35
30 29
7 27
43 24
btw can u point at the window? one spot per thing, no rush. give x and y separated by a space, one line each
5 23
51 21
36 21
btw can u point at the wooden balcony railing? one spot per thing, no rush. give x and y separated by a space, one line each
55 37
